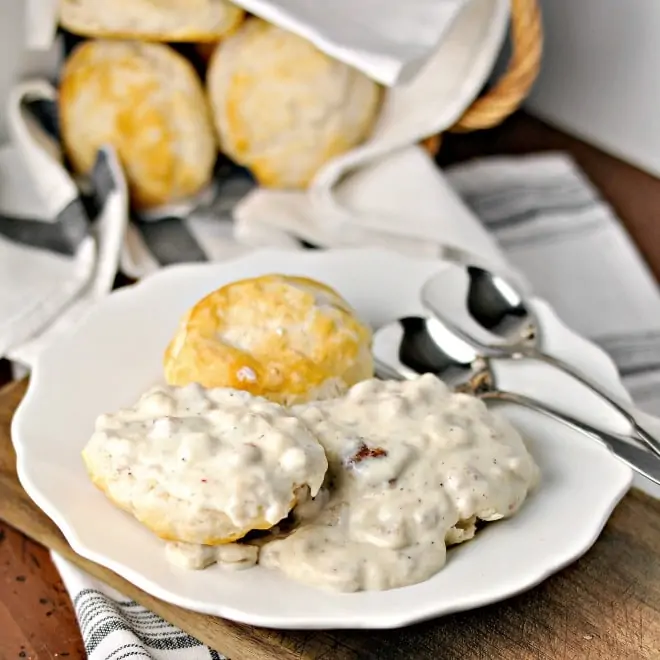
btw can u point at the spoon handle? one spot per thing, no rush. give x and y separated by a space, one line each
640 460
649 440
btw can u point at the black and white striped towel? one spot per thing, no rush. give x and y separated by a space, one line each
547 219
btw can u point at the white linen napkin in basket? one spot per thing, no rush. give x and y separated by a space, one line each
429 104
545 217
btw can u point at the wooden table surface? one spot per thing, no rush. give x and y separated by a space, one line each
36 617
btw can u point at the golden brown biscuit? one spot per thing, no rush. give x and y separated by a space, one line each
148 103
282 107
151 20
289 339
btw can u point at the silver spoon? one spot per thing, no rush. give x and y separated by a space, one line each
488 311
414 345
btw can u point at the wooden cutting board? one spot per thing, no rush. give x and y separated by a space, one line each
606 605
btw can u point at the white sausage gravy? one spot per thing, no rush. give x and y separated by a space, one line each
412 468
204 466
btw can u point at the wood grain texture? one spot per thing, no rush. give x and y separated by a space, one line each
36 616
606 605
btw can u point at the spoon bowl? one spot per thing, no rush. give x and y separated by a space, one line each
488 311
415 345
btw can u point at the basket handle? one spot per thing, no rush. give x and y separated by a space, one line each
511 89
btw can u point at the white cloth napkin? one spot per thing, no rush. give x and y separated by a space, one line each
545 217
51 273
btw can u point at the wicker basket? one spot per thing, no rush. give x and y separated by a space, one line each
503 98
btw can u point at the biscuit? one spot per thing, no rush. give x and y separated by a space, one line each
204 466
147 102
289 339
151 20
283 108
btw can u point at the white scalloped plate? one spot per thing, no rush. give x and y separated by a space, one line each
116 353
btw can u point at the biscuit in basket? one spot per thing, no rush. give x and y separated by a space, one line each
151 20
204 466
146 101
283 108
289 339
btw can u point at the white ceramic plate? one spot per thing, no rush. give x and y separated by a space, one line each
116 353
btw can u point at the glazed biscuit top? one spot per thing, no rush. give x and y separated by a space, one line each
285 338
